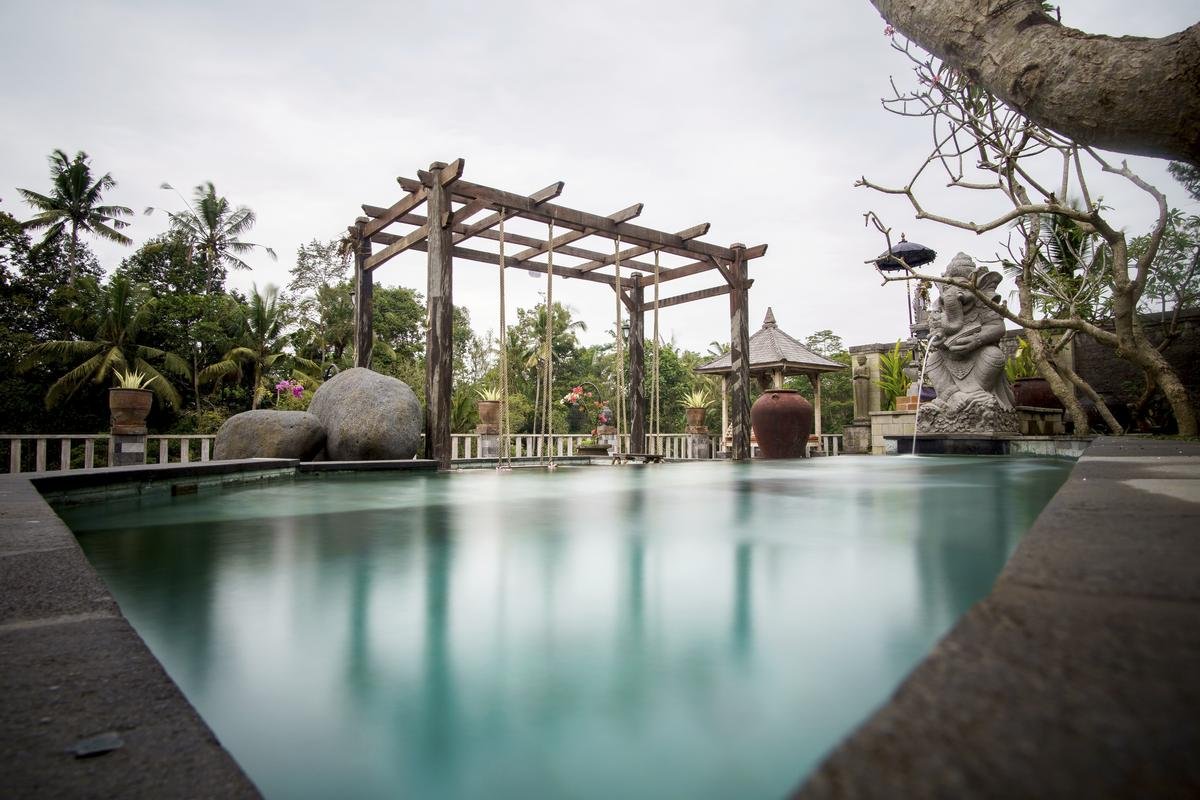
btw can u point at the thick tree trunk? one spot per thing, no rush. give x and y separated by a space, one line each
1146 356
1129 94
1062 390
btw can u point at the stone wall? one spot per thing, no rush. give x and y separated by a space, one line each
1120 382
890 423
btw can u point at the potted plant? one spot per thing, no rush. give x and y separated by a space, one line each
489 406
592 447
129 402
696 404
1029 387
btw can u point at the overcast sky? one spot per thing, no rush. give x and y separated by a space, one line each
754 116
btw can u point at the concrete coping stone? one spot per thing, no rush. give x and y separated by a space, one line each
1076 675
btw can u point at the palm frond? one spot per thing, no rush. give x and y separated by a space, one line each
161 387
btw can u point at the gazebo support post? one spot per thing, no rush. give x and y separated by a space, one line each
637 365
815 377
439 337
739 353
364 333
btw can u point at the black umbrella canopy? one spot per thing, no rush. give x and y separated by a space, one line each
914 255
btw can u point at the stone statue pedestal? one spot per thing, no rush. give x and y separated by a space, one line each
700 443
489 440
856 438
607 434
129 449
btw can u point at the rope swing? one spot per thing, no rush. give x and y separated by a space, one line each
548 416
504 459
656 401
620 420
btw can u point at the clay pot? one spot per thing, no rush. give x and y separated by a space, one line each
129 409
782 420
1034 392
489 412
695 418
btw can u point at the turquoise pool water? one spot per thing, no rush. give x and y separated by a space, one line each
703 630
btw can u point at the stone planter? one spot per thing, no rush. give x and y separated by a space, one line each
695 419
592 450
782 420
129 409
1034 392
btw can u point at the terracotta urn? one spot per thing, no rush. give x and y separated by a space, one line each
489 412
1035 392
129 409
782 420
695 418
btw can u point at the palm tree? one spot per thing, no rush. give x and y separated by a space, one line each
212 227
261 348
114 320
74 204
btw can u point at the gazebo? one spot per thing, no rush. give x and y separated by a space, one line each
773 356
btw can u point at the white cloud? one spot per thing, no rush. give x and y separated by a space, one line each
756 117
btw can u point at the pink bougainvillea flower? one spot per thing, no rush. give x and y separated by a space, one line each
297 390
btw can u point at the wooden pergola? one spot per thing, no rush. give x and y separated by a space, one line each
457 210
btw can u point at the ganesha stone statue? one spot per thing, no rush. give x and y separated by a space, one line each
965 363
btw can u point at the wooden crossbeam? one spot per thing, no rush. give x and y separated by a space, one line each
485 257
467 211
573 218
492 220
398 246
387 216
445 174
699 294
570 236
510 238
630 252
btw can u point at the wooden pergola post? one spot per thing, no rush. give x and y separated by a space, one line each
439 335
739 353
637 366
816 384
364 321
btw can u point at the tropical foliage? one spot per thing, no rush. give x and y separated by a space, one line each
109 322
892 380
73 206
212 227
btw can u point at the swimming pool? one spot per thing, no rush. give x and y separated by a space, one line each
698 630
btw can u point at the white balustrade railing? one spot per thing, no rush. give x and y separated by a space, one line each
67 451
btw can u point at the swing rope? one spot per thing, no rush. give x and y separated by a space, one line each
620 420
504 459
656 404
548 415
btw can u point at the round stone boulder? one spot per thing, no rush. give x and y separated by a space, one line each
270 434
367 416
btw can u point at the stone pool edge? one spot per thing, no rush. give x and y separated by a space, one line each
1077 675
72 668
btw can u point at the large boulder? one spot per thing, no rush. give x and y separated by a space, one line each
367 416
270 434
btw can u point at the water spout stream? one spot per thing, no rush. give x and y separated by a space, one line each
920 387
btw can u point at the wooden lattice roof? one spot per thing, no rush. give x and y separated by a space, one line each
475 214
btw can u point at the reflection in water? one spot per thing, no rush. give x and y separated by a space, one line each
699 630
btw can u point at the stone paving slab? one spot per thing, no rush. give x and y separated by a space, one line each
68 680
72 668
1079 675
